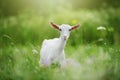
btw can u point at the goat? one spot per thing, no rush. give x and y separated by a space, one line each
52 50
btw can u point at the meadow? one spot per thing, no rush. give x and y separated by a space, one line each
97 50
96 63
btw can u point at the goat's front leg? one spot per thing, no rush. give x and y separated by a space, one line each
62 61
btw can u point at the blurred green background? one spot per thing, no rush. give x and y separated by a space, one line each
24 24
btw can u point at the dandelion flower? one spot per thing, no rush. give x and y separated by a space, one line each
74 21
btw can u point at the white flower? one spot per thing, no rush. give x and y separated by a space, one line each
101 28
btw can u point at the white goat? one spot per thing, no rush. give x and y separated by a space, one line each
52 50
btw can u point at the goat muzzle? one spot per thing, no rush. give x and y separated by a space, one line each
65 37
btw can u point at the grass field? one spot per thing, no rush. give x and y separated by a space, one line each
96 63
97 50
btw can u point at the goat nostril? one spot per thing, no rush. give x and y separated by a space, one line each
65 37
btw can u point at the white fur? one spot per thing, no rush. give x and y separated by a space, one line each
52 50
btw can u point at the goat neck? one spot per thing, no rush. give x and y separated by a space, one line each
62 43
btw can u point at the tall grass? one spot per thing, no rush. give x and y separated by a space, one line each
21 38
96 63
33 28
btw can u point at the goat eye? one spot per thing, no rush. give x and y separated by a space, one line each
60 29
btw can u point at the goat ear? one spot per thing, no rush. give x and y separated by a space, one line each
54 25
74 27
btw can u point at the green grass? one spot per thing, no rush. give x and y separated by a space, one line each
96 63
21 37
33 28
